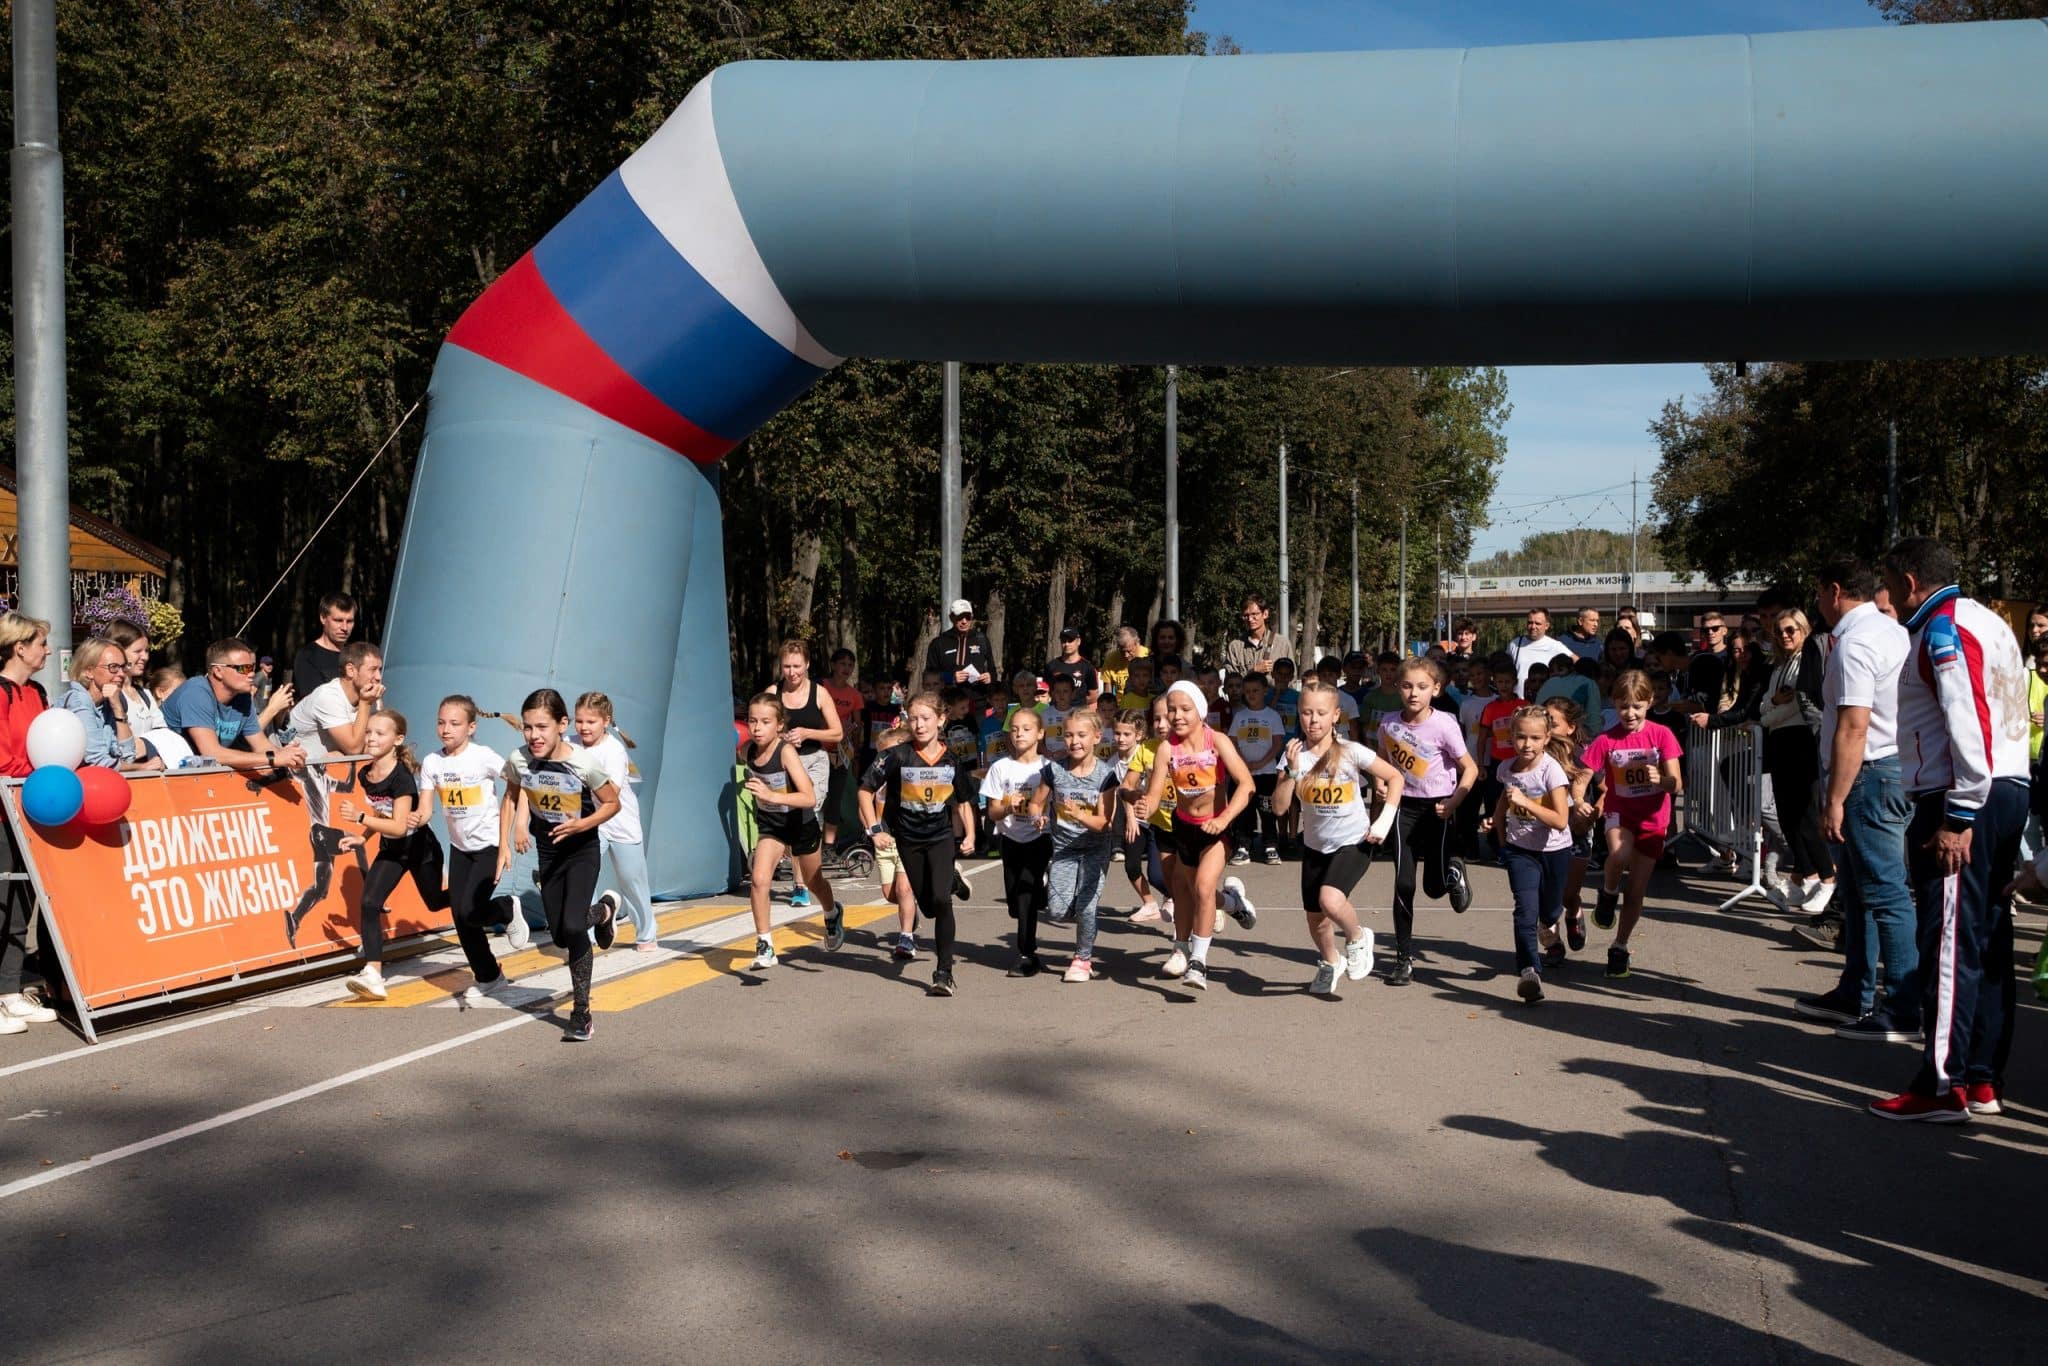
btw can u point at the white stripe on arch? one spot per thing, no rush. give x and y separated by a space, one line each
678 179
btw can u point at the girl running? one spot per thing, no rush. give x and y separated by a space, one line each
621 834
1141 852
889 867
557 794
1008 788
389 790
1329 772
1533 821
1567 735
1194 761
786 821
464 775
1426 746
1154 832
924 808
814 729
1082 793
1640 760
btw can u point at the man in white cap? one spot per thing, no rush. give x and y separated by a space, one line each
963 655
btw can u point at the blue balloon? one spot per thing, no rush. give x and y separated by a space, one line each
52 795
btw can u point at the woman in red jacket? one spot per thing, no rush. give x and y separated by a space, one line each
24 648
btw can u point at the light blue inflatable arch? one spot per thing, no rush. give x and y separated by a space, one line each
1876 192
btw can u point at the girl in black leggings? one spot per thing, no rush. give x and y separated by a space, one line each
920 812
559 795
388 791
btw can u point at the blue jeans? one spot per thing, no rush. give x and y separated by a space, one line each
1537 878
1878 919
629 866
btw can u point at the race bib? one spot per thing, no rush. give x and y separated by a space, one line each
553 805
1328 795
1633 772
1195 773
461 796
1071 809
1501 737
925 789
1401 756
1254 734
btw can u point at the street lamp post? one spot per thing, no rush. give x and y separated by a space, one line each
1173 492
1354 564
1286 630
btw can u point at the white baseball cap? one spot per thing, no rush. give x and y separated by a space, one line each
961 608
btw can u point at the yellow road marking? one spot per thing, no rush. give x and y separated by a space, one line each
439 986
669 978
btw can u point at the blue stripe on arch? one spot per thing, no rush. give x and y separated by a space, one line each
657 317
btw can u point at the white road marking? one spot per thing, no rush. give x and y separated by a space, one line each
261 1107
99 1050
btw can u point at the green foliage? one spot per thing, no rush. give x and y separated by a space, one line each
276 212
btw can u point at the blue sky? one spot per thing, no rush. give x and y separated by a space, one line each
1575 428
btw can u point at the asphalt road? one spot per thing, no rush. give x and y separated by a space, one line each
820 1163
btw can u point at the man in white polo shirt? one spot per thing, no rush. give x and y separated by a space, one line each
1537 647
1864 809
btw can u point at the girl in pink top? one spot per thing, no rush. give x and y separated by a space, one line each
1428 747
1638 761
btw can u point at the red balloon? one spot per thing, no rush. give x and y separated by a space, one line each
106 797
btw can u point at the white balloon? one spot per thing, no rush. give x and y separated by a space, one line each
56 737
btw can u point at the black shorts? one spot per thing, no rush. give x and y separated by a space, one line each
797 837
1190 841
1341 868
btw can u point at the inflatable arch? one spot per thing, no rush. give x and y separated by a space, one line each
1860 193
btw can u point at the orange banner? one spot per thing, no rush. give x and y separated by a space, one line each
196 885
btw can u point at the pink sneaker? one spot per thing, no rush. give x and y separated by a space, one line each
646 946
1080 970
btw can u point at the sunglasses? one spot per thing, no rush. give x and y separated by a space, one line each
243 669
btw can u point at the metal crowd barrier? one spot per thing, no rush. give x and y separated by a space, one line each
1724 804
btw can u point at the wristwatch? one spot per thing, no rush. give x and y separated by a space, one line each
878 828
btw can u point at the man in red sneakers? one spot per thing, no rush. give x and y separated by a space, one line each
1963 751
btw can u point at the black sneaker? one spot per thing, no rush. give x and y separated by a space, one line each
1823 932
1027 966
1617 962
1457 886
604 919
581 1027
905 950
1575 931
1879 1027
835 932
1603 909
1530 987
1830 1008
1403 971
1553 956
961 891
942 984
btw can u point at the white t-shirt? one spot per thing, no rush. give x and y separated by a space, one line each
1054 745
1253 729
1528 653
623 828
1333 805
1863 670
1470 709
467 786
1013 777
320 710
1524 831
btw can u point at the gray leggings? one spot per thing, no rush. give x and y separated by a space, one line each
1073 886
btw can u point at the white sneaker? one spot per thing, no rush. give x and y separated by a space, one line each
518 934
1358 956
1146 914
1818 900
1176 964
764 953
1238 904
476 993
1326 980
1798 892
1197 975
1080 970
10 1025
367 984
26 1009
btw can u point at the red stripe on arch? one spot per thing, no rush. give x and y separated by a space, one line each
522 326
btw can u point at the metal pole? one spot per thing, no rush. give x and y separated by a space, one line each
1354 564
40 433
1632 538
1891 484
1402 644
949 491
1173 492
1286 630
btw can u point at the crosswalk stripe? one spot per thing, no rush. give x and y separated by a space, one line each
445 983
726 960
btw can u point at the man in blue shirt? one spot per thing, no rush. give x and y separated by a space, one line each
216 712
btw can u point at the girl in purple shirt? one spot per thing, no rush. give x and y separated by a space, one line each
1437 774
